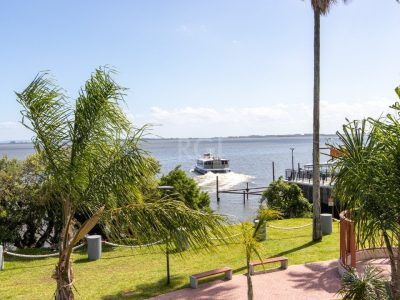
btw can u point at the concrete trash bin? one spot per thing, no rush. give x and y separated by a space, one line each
326 223
93 247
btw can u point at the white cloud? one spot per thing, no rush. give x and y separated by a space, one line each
272 119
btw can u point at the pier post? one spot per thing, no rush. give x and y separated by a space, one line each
247 190
273 171
298 171
244 197
217 191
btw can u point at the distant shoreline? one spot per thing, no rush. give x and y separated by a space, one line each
12 142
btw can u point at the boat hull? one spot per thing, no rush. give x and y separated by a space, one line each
216 171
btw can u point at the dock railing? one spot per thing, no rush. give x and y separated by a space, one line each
306 174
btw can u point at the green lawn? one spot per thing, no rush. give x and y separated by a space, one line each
141 273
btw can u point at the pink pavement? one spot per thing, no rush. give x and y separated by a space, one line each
318 280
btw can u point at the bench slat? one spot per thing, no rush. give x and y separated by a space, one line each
211 272
269 260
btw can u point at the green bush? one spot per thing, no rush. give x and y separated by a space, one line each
26 219
286 198
186 189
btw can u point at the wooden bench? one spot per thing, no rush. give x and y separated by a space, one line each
283 260
194 279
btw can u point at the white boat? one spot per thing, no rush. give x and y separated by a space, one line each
211 163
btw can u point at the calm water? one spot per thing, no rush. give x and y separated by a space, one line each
250 160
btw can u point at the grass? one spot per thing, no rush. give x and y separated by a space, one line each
124 273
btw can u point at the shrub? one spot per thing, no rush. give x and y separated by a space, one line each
286 198
369 286
186 189
26 219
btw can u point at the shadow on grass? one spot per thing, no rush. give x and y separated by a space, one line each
111 250
147 290
298 248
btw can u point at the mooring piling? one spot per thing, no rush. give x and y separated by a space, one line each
273 171
217 190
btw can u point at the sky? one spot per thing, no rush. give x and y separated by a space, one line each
207 68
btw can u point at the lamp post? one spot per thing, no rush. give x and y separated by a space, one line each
292 149
167 188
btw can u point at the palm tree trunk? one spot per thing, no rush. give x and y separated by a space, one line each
63 273
317 231
249 282
395 269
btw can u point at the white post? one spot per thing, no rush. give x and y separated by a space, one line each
1 258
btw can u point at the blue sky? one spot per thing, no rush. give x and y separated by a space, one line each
207 68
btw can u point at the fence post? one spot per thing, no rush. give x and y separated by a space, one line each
217 191
343 240
1 258
352 239
273 171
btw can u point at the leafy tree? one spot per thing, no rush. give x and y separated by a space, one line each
25 218
95 166
371 285
287 198
368 183
186 189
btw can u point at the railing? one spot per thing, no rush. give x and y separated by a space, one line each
347 240
306 175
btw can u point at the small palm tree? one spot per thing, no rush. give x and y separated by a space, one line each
369 286
251 243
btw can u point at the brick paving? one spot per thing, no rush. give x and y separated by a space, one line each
319 280
301 282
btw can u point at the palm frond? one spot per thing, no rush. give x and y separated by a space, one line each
115 176
371 285
47 114
147 222
98 116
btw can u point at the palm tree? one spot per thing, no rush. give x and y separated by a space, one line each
96 167
371 285
250 241
367 184
320 7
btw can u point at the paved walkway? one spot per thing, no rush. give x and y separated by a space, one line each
302 282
